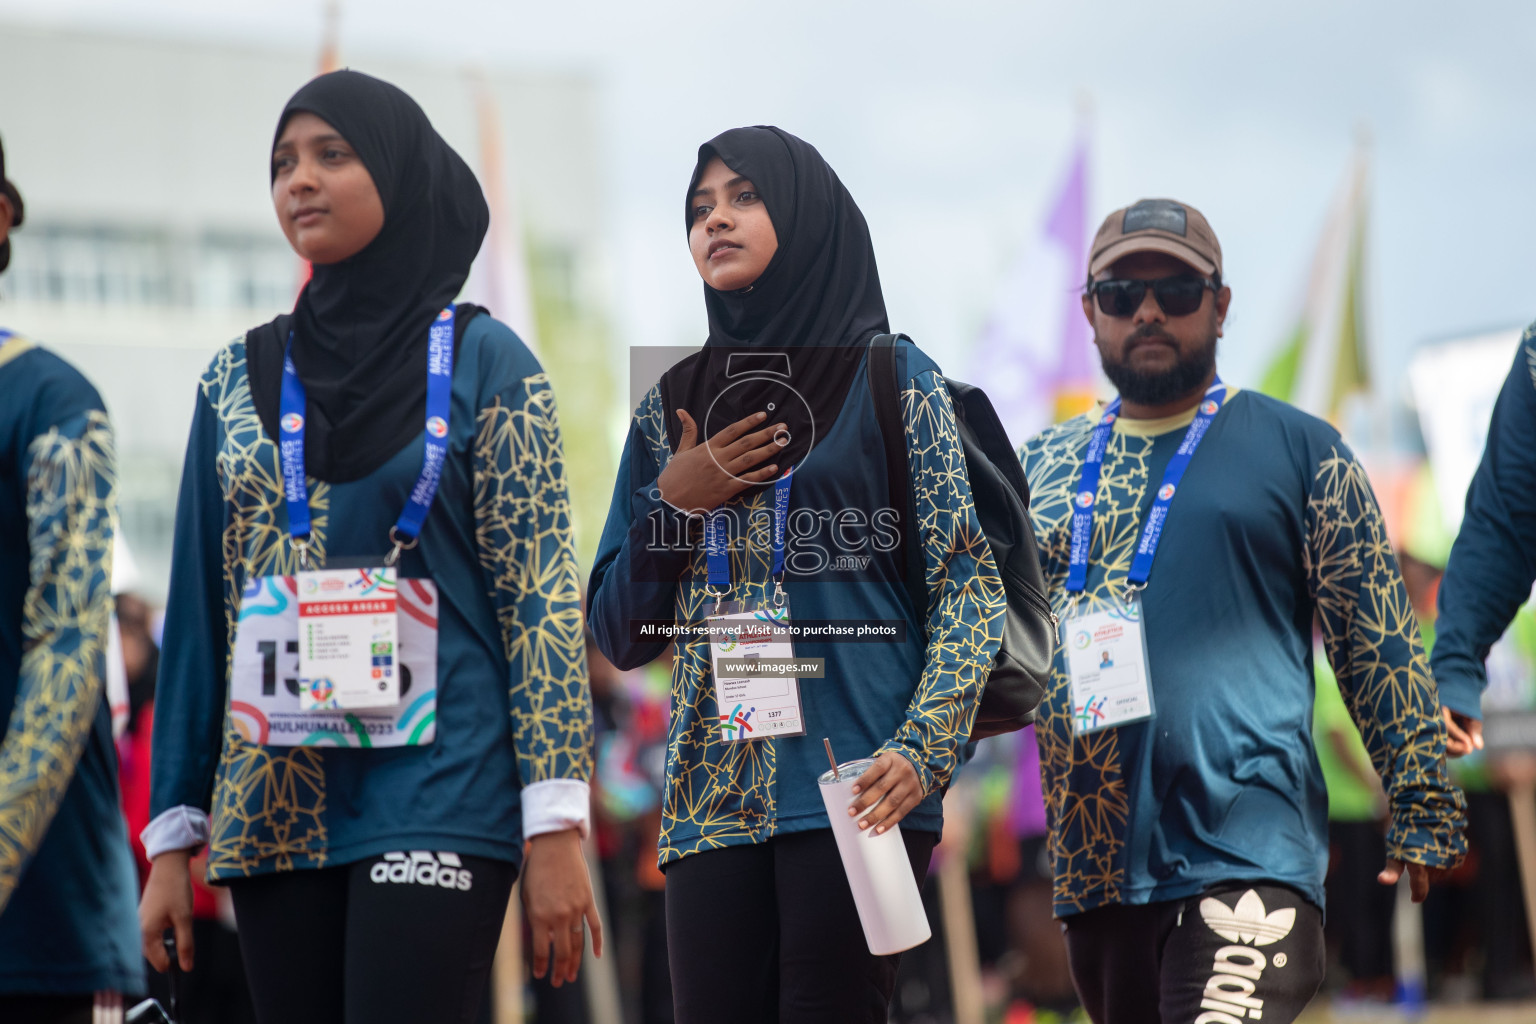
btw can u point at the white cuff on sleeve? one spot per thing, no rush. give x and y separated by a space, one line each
555 805
180 828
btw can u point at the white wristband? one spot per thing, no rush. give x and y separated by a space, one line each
180 828
555 805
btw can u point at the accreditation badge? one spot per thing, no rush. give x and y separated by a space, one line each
1107 664
757 693
348 639
274 699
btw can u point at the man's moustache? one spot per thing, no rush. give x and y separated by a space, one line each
1142 336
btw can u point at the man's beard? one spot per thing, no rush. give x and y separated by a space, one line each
1159 387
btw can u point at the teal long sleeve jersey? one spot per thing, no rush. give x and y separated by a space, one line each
912 697
1274 526
68 889
1493 561
513 706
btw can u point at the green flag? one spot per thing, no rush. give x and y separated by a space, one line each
1325 358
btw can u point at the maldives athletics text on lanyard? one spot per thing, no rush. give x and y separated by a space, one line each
348 626
757 690
1107 649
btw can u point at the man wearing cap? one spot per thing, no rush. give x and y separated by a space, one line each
68 922
1194 531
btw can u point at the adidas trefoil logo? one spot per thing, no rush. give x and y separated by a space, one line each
1236 970
1247 922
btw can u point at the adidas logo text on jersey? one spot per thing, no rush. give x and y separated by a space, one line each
444 870
1228 996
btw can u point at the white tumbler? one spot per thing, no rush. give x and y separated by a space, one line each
884 890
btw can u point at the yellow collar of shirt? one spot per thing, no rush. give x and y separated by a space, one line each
13 346
1165 424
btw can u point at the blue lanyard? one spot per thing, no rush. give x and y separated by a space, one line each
290 447
1157 518
717 547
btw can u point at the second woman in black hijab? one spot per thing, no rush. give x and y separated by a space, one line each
760 918
370 863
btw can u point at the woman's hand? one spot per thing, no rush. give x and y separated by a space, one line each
557 896
167 903
701 477
891 787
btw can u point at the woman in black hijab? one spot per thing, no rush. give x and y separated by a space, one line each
772 424
360 325
818 299
370 851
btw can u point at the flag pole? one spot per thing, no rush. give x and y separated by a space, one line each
500 277
330 60
330 39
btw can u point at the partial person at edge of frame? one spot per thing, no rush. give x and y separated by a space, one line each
68 947
1493 560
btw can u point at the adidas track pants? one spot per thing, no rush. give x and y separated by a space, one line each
1238 953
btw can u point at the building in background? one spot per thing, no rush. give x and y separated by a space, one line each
150 239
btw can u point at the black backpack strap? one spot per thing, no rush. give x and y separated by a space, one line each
885 389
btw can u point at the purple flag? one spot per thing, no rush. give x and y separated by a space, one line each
1035 353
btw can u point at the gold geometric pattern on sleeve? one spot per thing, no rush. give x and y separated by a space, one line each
268 802
966 604
71 491
1372 639
720 793
1086 799
717 793
528 555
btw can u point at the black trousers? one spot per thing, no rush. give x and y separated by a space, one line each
396 939
767 933
47 1009
1238 952
1360 908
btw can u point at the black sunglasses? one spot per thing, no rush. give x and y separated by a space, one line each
1178 295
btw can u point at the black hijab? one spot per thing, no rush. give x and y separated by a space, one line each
360 326
812 312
